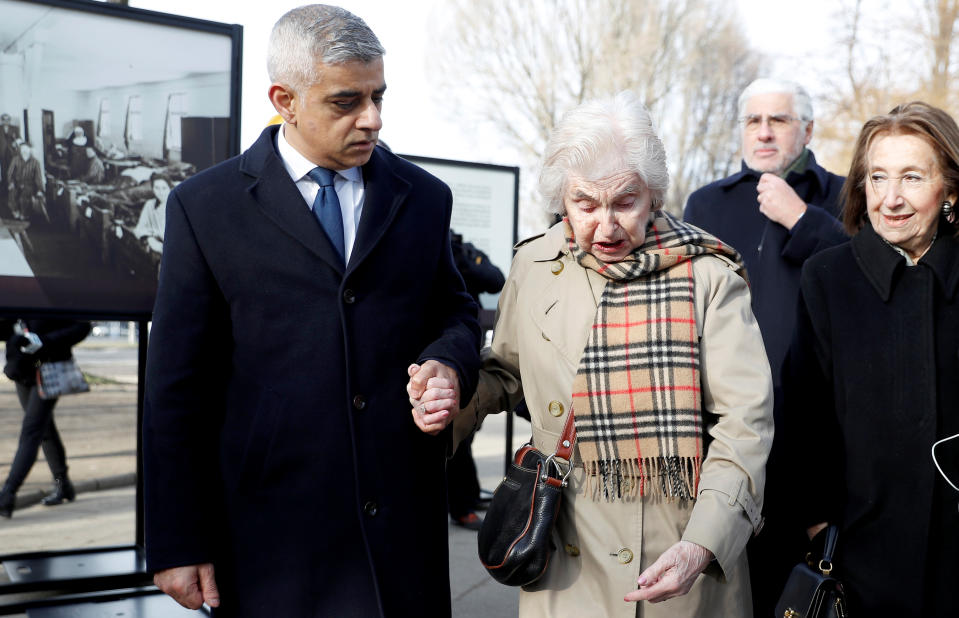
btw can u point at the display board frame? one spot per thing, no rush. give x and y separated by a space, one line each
83 252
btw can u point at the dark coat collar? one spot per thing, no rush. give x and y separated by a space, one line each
813 169
881 264
275 192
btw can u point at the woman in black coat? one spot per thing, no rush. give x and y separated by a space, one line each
29 341
872 380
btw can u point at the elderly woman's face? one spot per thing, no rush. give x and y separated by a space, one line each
904 191
608 215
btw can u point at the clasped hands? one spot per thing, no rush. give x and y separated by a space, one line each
434 391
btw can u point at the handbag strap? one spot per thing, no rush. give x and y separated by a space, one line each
829 547
564 446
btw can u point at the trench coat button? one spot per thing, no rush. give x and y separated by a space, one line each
572 550
370 508
555 408
556 267
625 556
349 297
359 402
626 484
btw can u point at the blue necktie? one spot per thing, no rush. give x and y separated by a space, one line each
326 208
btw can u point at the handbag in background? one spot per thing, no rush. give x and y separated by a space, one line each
514 542
58 378
811 591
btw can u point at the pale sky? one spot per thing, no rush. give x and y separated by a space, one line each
417 118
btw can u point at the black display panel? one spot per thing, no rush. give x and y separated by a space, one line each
116 106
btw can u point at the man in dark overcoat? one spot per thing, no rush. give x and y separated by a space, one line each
25 182
284 473
777 211
9 136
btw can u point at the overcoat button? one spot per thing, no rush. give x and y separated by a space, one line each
572 550
555 408
625 556
370 508
359 402
626 484
556 267
349 297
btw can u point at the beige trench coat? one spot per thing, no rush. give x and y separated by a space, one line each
545 313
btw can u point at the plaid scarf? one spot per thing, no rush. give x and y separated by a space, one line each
637 390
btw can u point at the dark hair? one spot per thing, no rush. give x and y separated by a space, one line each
926 122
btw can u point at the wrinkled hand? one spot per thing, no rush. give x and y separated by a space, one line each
190 586
434 391
673 573
778 201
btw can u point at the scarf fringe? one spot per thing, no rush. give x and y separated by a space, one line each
668 478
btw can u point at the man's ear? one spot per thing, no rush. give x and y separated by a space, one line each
808 137
284 101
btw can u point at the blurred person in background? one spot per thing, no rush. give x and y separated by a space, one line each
30 342
462 483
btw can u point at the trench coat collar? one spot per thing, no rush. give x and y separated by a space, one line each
813 170
277 196
548 246
882 265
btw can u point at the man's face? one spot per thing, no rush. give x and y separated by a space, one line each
5 120
773 135
24 152
337 120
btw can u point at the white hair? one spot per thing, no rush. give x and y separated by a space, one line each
317 33
600 134
802 103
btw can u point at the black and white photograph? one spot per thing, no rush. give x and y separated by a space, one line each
103 110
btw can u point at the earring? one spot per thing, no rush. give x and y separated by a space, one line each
948 211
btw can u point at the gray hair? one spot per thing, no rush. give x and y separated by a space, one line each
317 33
612 131
802 103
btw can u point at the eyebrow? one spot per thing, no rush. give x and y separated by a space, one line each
629 190
346 94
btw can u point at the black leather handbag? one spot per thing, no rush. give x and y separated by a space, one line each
514 542
811 591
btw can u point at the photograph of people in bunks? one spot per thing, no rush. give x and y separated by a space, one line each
100 117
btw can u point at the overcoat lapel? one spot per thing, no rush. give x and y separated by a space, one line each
385 193
276 195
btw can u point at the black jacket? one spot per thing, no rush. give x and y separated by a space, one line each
57 336
870 384
773 255
278 438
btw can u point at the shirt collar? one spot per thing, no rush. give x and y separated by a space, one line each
298 166
882 264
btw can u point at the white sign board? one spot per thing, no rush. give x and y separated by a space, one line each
485 206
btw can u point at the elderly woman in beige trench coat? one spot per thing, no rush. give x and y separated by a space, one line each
640 325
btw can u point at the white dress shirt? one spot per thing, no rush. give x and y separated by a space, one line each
348 185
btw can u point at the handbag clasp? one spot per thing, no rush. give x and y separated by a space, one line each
552 459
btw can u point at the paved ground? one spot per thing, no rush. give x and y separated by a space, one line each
99 431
